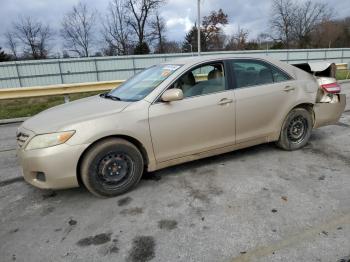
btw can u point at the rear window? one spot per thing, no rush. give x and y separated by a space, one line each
253 72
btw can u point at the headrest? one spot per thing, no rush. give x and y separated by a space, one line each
214 74
188 79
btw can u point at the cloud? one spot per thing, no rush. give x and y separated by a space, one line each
186 23
229 29
180 15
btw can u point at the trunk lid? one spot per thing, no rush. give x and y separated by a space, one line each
330 104
319 69
324 73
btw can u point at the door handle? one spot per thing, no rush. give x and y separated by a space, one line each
288 88
225 101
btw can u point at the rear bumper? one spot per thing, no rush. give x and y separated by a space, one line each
57 163
329 113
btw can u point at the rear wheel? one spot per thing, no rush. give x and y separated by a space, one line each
296 129
111 167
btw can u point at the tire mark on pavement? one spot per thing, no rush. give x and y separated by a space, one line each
293 240
7 150
11 181
342 124
329 154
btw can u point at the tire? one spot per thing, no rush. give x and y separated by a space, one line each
296 130
111 167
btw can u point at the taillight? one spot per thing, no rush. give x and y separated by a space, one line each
332 88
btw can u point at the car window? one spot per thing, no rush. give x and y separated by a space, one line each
279 76
139 86
251 73
202 80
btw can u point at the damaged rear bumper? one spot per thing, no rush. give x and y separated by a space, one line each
329 113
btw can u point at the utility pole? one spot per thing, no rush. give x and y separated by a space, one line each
191 49
199 27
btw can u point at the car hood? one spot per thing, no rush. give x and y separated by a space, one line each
58 117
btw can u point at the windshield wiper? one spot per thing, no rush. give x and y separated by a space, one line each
109 96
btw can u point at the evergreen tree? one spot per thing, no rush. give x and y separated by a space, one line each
141 49
190 43
3 56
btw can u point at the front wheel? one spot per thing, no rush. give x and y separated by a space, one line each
111 167
296 129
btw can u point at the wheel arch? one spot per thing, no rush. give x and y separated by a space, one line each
285 143
130 139
307 105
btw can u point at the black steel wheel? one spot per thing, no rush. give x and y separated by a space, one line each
111 167
115 168
296 129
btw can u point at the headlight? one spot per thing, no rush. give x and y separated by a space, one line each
48 140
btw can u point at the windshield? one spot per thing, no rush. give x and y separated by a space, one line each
139 86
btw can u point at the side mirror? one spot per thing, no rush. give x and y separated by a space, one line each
173 94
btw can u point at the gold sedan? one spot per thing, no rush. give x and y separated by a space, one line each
173 113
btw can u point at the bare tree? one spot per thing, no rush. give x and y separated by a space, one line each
33 37
211 33
327 34
140 11
264 40
238 41
158 28
171 47
294 22
44 37
344 40
282 21
116 30
11 43
78 30
307 16
212 30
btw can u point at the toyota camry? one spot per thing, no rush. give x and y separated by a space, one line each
176 112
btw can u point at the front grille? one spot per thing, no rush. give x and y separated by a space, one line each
21 138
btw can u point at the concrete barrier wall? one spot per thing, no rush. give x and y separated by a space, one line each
94 69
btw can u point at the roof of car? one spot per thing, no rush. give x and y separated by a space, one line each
203 58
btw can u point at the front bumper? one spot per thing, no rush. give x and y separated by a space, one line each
57 163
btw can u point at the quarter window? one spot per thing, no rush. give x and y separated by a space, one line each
251 73
279 76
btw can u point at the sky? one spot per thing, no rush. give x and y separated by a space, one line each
179 15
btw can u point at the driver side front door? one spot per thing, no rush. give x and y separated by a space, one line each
202 121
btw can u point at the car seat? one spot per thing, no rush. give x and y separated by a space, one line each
215 82
187 82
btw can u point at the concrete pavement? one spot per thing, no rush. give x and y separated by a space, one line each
346 90
256 204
